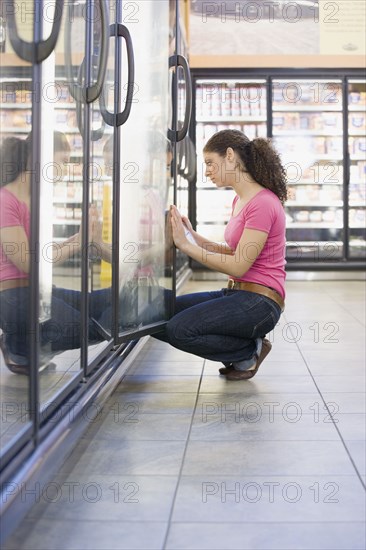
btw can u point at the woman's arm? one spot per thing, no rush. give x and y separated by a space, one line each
249 247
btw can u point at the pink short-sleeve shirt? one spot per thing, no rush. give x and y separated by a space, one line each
13 213
263 212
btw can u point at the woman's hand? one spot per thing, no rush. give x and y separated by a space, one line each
95 225
178 228
188 224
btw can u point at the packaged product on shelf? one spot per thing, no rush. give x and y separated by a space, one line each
319 144
71 119
328 216
199 134
76 142
278 122
357 121
362 170
335 192
226 106
339 216
305 121
352 215
312 192
291 192
332 121
292 121
324 196
354 98
9 96
77 213
59 190
301 194
360 145
315 216
209 130
214 103
354 173
250 130
61 117
302 216
263 102
60 212
261 130
334 145
18 119
354 190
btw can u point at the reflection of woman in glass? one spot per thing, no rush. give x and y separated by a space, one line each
62 330
230 325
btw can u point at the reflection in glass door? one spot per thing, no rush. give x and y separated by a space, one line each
16 97
100 252
61 186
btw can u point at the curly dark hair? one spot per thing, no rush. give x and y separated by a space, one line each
15 155
258 156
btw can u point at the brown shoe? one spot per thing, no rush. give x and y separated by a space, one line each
14 366
226 370
247 374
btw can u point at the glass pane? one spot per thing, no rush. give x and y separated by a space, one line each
145 175
101 206
16 163
62 164
357 155
307 131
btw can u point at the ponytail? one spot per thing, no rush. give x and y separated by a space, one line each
258 156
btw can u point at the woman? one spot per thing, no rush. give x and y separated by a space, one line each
62 330
230 325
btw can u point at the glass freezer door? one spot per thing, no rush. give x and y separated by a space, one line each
307 132
16 96
145 280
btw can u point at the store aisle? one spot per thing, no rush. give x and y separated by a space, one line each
181 458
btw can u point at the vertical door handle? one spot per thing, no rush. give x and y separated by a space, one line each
34 52
79 92
120 118
95 135
180 61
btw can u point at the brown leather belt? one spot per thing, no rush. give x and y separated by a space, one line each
258 289
13 283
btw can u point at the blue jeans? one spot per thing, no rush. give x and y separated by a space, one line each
62 331
221 325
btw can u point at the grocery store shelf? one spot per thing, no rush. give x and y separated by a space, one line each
357 108
239 118
66 222
307 108
15 106
300 204
300 132
314 225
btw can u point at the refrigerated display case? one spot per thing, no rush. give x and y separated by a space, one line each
307 130
84 77
357 161
313 120
239 104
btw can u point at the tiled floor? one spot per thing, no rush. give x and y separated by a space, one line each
181 458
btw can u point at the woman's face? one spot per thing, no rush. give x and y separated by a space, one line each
221 170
